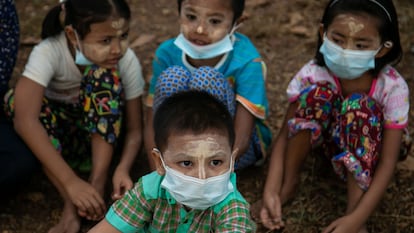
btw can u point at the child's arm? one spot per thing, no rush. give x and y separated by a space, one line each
382 177
28 101
134 211
243 126
121 179
271 212
149 136
234 217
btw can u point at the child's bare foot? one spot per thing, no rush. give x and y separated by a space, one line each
69 221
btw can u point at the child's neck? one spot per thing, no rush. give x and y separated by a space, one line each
212 62
359 85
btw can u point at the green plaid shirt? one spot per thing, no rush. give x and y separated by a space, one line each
149 208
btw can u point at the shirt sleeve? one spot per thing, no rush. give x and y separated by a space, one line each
235 217
395 99
159 64
250 88
131 75
41 64
308 75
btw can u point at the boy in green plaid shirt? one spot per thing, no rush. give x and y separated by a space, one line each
194 186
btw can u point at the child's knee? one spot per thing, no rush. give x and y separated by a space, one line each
361 122
212 81
317 103
172 80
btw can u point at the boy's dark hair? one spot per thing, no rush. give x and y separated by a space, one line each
193 112
81 14
386 14
237 5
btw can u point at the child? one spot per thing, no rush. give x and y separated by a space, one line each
76 86
194 187
17 162
350 101
208 55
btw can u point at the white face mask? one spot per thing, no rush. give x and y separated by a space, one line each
346 63
194 192
206 51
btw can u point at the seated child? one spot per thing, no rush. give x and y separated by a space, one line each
209 55
194 187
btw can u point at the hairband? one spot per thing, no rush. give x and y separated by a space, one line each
373 1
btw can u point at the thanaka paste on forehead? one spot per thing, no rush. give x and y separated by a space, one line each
353 26
203 149
202 146
118 24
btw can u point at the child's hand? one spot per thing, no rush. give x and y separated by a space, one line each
271 212
343 225
121 183
87 200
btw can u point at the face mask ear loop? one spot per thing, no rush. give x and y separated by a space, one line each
235 27
325 37
233 30
78 41
388 44
159 153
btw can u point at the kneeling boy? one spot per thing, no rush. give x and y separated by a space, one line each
194 186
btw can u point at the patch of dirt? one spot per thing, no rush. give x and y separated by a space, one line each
284 31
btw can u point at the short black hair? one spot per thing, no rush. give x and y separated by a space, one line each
237 5
383 10
192 111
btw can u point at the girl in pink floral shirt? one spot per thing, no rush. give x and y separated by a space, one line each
352 103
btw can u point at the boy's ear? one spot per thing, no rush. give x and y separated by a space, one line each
70 34
156 157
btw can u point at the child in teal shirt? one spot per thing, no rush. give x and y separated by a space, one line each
194 187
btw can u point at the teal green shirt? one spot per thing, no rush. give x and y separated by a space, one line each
150 208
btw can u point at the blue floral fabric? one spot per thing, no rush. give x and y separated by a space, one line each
9 42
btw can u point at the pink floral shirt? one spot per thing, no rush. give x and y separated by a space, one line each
389 89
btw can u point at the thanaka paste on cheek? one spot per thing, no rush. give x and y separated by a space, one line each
96 53
124 46
185 30
218 34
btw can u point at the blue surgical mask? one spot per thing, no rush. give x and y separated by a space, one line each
80 58
194 192
346 63
206 51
